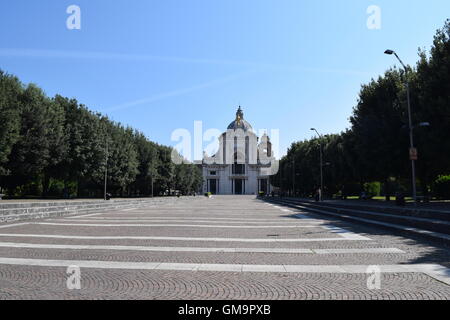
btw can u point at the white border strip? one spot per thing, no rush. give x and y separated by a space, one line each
125 220
435 271
15 235
14 225
175 225
196 249
345 233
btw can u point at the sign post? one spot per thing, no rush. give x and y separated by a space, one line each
413 155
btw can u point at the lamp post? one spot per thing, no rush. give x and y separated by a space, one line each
411 128
152 184
106 169
321 164
293 178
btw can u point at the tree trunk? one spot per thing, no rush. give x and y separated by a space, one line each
387 190
78 189
45 185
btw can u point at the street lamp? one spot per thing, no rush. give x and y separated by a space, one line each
424 124
152 184
293 177
106 169
321 164
411 128
421 124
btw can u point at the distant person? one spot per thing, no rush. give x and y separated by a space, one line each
318 195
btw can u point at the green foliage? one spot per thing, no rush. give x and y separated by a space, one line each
56 188
442 187
45 140
372 189
376 146
58 148
10 91
432 82
31 152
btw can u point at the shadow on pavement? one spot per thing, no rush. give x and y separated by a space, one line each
430 252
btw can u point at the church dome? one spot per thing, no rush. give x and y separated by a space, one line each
240 123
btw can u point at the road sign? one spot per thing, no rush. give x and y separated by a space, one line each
413 155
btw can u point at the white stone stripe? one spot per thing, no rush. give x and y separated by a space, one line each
261 223
173 225
46 236
13 225
196 249
433 270
89 215
357 250
169 214
185 213
180 219
345 233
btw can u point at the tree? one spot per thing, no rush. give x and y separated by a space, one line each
147 156
57 144
166 170
122 158
10 90
432 85
30 154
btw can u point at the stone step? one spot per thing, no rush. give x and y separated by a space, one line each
18 214
411 212
26 204
434 230
54 208
412 221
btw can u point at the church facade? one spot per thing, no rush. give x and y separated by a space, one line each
243 163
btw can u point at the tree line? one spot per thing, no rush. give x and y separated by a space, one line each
57 147
372 155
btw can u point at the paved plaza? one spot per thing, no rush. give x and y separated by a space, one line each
225 247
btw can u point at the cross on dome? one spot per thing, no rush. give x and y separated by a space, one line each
239 122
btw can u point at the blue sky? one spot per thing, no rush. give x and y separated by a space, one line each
161 65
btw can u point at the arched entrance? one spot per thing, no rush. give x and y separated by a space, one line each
239 186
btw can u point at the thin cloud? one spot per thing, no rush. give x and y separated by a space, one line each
86 55
179 92
58 54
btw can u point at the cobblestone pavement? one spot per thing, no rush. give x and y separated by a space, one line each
225 247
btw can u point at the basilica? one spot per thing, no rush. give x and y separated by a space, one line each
243 163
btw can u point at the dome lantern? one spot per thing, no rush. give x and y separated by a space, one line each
239 122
